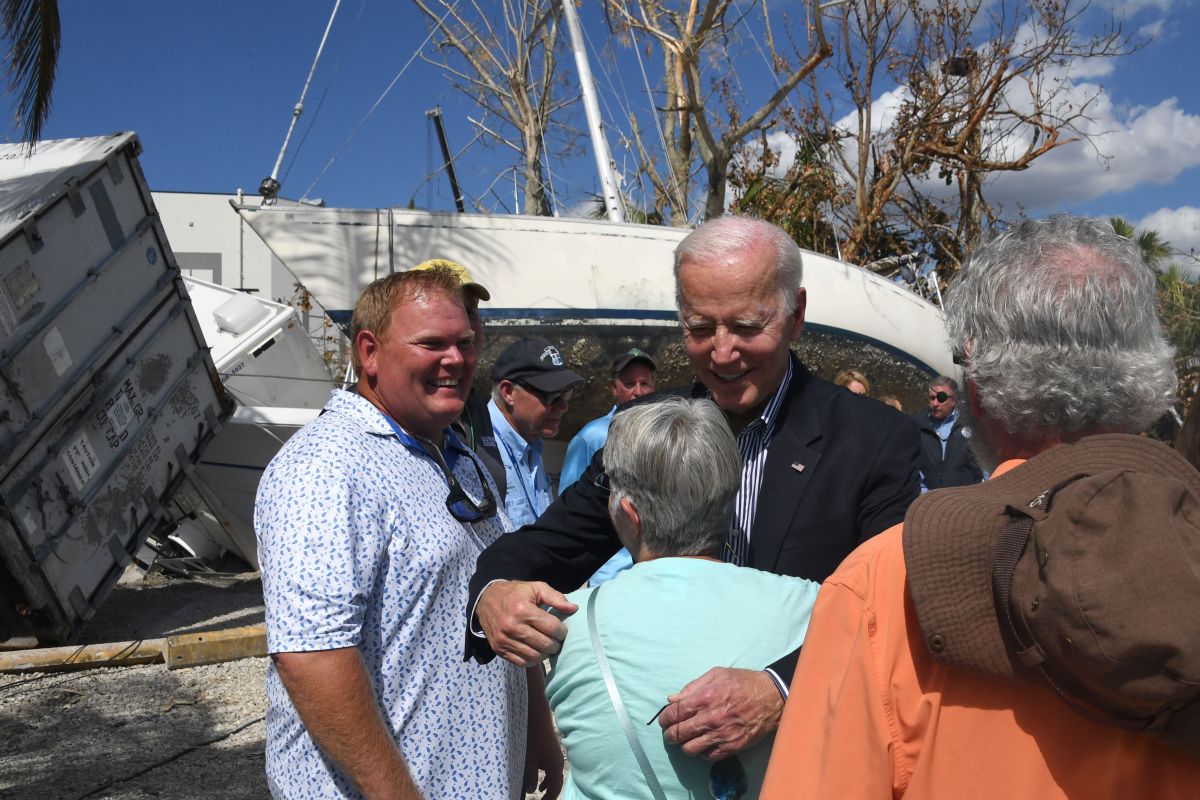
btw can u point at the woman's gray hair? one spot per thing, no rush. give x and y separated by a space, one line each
678 462
1057 320
726 238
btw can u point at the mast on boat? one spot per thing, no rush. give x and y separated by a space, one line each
604 162
269 188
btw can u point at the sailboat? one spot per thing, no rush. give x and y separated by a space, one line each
572 272
601 284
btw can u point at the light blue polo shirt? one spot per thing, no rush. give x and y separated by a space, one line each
529 491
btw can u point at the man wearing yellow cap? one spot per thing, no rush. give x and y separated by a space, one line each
474 425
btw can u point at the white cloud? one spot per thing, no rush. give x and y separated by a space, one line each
1151 30
1123 146
1128 8
1181 227
1144 145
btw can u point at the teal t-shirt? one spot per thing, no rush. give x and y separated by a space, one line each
665 623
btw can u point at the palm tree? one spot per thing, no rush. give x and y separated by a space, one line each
1155 249
32 29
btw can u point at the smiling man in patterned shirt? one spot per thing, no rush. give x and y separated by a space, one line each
369 522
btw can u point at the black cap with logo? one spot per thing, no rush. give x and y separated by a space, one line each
536 362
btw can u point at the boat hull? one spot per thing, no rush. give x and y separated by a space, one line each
594 287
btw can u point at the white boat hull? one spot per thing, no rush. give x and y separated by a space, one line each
571 270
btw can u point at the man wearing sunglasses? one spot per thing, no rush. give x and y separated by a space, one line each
946 457
369 523
822 470
531 392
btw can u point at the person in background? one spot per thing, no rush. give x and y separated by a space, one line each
531 392
946 457
474 425
890 400
853 380
673 471
369 522
1033 636
632 377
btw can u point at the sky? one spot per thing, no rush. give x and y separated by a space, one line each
210 86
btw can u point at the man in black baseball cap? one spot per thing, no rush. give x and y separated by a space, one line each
531 392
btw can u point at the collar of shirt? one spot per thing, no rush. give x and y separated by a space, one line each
946 426
514 441
770 413
380 424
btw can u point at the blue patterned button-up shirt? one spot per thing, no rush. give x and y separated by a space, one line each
358 549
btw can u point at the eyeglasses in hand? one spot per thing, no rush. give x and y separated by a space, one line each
726 778
459 503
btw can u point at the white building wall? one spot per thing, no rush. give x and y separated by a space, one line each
212 243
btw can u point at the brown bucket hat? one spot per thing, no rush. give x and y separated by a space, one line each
1079 568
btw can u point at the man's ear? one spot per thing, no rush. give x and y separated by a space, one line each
797 318
367 344
507 388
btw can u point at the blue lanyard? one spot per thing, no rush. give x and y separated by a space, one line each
451 452
518 468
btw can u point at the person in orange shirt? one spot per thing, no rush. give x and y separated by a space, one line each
1033 636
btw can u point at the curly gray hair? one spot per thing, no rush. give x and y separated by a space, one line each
1057 320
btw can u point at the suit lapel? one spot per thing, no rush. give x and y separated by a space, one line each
791 460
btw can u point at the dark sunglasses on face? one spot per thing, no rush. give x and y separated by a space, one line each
458 502
941 397
549 398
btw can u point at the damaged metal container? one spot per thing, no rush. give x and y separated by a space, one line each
109 394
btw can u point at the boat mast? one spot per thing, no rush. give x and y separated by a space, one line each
435 114
269 188
604 162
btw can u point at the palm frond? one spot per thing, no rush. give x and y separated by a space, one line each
32 28
1121 227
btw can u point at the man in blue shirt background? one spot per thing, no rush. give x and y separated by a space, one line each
632 377
532 391
946 457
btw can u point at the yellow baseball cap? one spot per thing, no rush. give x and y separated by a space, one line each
468 282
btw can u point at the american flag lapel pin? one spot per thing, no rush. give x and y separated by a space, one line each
798 466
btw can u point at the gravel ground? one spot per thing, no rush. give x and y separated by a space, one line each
137 732
134 732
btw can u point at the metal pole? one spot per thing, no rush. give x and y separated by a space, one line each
269 188
435 114
604 162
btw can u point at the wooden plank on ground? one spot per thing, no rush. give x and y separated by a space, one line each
213 647
83 656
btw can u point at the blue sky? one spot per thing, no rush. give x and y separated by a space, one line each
210 87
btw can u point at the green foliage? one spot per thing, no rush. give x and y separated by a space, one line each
1178 302
32 30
